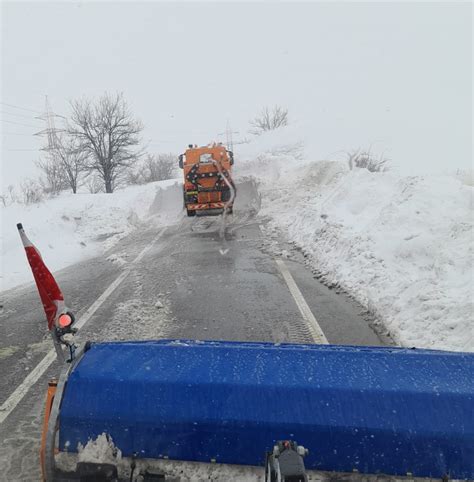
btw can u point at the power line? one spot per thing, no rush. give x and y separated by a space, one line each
16 115
16 150
21 108
18 123
15 134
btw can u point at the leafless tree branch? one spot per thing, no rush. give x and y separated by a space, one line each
269 120
365 159
108 135
155 167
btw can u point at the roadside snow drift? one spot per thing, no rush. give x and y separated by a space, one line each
402 246
73 227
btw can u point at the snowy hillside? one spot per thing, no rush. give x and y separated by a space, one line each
402 246
70 228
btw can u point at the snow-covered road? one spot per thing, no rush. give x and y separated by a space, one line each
393 255
191 283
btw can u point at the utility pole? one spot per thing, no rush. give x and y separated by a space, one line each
51 132
229 136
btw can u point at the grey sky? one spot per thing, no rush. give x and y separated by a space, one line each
395 74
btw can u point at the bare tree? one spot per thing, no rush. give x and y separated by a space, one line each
94 184
160 167
269 120
54 180
365 159
72 159
155 167
63 165
10 196
31 191
108 134
136 176
12 193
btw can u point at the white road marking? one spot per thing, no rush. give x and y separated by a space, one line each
316 332
15 398
305 310
22 389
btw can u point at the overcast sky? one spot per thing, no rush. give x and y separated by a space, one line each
397 75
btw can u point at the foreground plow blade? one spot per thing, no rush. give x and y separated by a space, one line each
386 410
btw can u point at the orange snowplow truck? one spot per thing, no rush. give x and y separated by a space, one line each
208 188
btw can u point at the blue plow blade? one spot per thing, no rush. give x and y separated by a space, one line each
374 409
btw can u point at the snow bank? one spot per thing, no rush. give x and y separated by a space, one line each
70 228
402 246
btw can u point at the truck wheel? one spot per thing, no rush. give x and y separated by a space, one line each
190 212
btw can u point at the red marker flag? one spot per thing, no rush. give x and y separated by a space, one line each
50 294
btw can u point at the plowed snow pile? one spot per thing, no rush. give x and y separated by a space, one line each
70 228
402 246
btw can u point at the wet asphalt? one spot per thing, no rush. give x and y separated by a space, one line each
200 280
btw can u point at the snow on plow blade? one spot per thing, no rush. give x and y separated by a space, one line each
377 410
